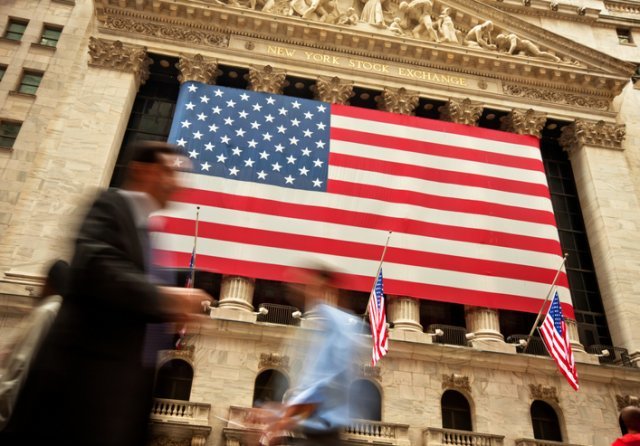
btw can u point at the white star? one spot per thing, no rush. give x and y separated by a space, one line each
233 171
213 128
219 93
318 163
276 166
185 124
257 107
209 147
202 117
295 123
181 142
240 132
304 171
205 166
289 179
264 155
317 182
296 104
293 141
190 105
221 158
282 111
231 103
204 99
279 148
192 88
321 108
255 125
262 175
268 118
308 115
291 159
228 121
193 154
321 125
225 139
237 151
320 144
178 162
270 100
253 144
308 133
243 114
248 162
282 129
216 110
244 96
197 135
266 136
306 151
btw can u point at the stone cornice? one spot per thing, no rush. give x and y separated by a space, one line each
582 133
115 55
555 9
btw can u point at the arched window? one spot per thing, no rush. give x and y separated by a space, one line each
270 385
364 401
174 380
545 422
456 413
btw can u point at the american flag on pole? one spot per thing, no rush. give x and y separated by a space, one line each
378 321
281 180
556 339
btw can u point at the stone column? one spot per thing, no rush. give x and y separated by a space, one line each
267 79
611 211
461 111
484 323
329 297
333 90
524 122
404 313
67 149
197 69
574 337
398 100
236 293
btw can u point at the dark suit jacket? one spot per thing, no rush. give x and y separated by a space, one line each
90 385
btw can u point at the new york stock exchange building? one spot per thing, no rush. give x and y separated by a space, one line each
81 79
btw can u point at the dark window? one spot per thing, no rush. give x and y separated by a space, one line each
174 380
30 82
364 401
299 87
9 132
270 385
545 422
456 413
15 29
3 69
624 35
50 35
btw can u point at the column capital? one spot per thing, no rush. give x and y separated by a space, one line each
197 69
115 55
333 90
404 312
584 132
525 122
399 100
461 111
266 79
236 292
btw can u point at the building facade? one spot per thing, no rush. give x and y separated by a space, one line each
80 79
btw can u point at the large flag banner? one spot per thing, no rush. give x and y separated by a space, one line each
282 180
378 321
556 339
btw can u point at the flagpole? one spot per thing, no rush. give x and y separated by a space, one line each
195 244
553 284
375 279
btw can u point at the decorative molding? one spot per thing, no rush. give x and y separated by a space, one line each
544 393
623 401
266 79
369 372
556 97
591 133
115 55
524 122
461 111
197 69
456 382
625 7
186 354
333 90
273 361
399 100
168 31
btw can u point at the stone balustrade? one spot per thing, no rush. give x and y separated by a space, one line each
376 431
441 437
533 442
184 412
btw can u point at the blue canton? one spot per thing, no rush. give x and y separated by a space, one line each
379 291
556 313
250 136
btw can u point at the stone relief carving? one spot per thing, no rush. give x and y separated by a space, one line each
367 371
168 355
545 393
372 13
400 101
556 97
115 55
623 401
525 122
590 133
514 45
333 90
480 36
446 27
266 79
456 382
197 68
273 360
462 111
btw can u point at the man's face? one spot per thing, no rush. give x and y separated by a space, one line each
162 178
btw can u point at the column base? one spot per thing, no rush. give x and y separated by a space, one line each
233 314
493 345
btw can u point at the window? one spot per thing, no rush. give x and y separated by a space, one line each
545 422
270 385
624 35
30 82
456 413
364 401
8 133
3 69
174 380
15 29
50 35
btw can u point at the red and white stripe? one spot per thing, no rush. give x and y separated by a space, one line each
560 350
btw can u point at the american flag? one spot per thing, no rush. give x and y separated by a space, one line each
282 180
378 321
556 339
